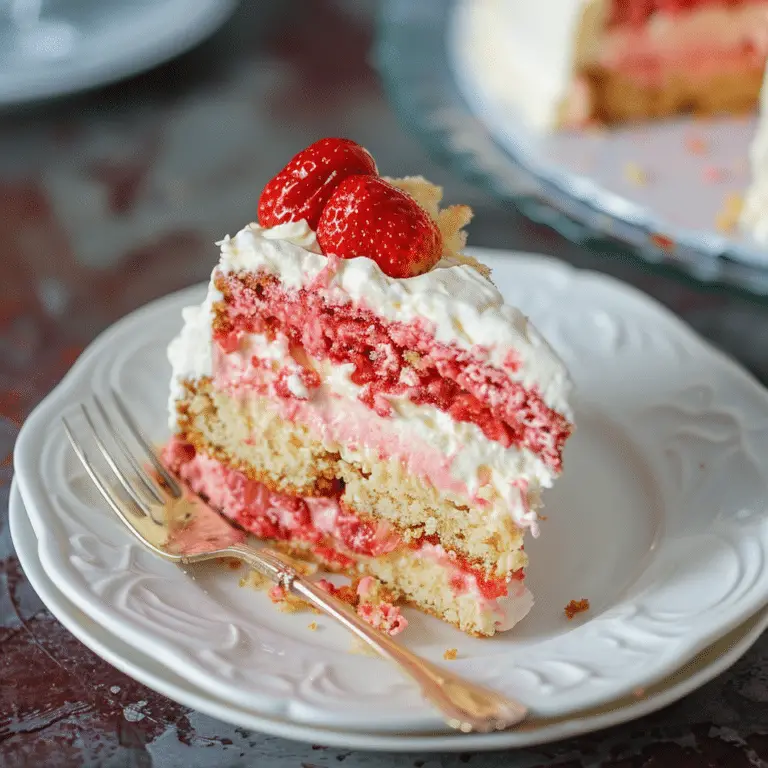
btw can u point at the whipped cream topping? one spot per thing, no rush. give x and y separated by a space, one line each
526 53
463 307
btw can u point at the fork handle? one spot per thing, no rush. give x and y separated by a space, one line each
466 706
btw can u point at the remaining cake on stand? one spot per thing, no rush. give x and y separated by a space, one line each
569 63
355 391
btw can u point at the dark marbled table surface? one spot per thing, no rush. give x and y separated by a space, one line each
114 198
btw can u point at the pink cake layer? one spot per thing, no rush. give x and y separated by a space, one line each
638 12
392 359
243 377
320 526
698 41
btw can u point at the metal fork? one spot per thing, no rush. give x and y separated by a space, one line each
465 706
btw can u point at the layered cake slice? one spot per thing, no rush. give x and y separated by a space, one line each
355 391
567 63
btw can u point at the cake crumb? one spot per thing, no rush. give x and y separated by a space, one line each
412 358
285 602
346 593
576 606
450 654
255 580
714 175
663 242
696 145
634 173
313 626
728 218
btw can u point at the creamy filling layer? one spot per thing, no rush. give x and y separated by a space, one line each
391 360
455 457
335 536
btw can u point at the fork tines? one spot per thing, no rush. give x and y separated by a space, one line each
143 490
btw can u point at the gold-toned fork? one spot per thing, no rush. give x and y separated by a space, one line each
465 706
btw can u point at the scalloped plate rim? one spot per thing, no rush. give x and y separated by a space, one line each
125 659
33 494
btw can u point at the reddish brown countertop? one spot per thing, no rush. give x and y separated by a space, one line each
113 198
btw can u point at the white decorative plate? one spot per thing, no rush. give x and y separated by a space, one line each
58 48
706 665
660 520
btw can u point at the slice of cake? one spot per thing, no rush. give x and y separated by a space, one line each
355 391
568 63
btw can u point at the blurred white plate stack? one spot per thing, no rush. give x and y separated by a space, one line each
53 47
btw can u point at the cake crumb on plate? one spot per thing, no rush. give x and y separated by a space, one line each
450 654
634 173
576 606
728 218
696 145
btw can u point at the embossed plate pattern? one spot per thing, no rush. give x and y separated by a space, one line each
660 520
705 666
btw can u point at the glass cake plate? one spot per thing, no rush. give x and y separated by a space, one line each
656 194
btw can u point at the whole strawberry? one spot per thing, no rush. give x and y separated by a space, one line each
366 216
303 187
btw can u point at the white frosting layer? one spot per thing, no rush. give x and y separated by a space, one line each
463 307
191 352
523 52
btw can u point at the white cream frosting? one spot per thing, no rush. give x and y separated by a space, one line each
525 53
463 307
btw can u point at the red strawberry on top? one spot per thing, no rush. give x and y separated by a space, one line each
302 188
366 216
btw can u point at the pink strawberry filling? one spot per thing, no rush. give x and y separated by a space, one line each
638 12
333 534
320 523
650 41
450 379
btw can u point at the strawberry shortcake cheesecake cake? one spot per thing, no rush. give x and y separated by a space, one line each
355 391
